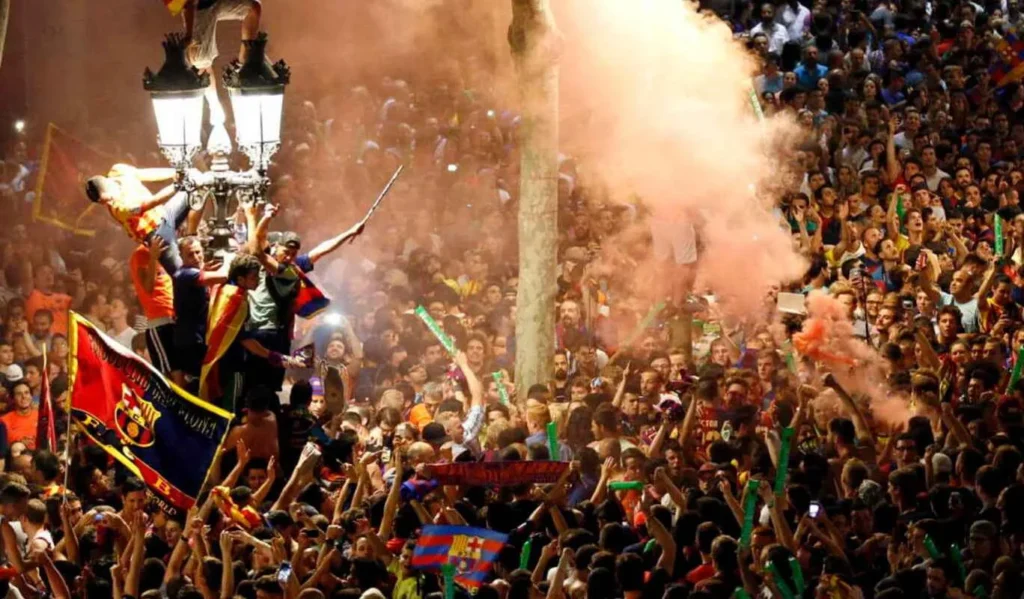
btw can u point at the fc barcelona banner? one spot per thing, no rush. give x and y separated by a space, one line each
164 435
497 474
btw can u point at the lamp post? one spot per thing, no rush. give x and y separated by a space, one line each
257 99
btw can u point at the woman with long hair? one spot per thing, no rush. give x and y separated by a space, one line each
578 433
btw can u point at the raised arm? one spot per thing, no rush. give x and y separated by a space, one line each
892 162
892 217
159 198
131 584
261 494
328 246
58 585
986 287
667 561
860 423
394 498
155 175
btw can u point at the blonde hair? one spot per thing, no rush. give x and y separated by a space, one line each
538 414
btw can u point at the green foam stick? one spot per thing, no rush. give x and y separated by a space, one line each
929 544
446 341
798 576
741 593
650 545
979 592
958 559
524 555
783 466
787 593
502 391
999 236
553 440
1015 376
448 571
621 485
749 504
787 352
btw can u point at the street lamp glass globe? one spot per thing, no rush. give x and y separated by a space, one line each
257 115
179 122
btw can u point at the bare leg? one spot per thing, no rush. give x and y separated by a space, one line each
250 27
213 101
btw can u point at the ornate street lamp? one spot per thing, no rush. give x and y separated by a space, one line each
177 94
257 98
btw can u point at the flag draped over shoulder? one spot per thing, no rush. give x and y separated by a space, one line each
160 432
229 308
46 432
470 550
60 188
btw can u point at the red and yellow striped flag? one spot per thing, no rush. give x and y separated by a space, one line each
229 307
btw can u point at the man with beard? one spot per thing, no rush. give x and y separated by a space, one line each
569 329
338 369
560 382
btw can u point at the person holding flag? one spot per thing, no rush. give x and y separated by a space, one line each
284 290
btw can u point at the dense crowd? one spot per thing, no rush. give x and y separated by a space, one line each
754 472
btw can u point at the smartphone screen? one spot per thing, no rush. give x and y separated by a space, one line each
284 573
814 510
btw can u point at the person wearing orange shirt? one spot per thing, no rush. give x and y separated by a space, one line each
44 298
155 290
141 213
22 421
423 414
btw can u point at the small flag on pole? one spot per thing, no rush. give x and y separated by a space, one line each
174 6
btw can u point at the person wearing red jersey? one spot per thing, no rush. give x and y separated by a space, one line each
141 213
155 291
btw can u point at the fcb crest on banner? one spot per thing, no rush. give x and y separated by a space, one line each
135 419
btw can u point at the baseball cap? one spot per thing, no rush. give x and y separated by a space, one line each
14 373
290 239
984 529
435 434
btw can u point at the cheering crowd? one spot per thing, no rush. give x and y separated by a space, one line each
705 455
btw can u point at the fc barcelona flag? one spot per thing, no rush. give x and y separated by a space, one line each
309 301
160 432
470 550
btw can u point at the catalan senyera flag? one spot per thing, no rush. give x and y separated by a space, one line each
160 432
60 188
174 6
229 307
470 550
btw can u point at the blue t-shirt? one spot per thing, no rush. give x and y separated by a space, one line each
191 302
